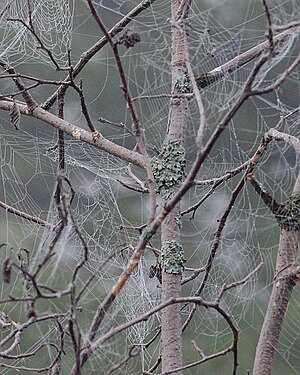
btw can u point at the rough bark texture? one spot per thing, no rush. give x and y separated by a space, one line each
279 300
171 335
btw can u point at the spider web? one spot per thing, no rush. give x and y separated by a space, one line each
52 22
106 212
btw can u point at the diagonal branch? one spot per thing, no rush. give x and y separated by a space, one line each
31 103
270 27
286 274
285 280
206 79
184 300
78 133
215 246
87 55
139 133
279 80
152 228
26 216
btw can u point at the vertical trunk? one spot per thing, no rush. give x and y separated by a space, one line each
171 339
171 335
284 282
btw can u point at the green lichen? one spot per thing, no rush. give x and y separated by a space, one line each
172 257
168 169
183 84
288 215
205 79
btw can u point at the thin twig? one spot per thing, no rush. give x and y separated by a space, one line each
30 27
118 125
135 178
160 96
31 103
35 79
139 133
215 182
84 108
134 188
279 81
270 30
205 358
196 273
215 246
237 283
133 352
26 216
54 361
290 25
202 121
228 174
88 54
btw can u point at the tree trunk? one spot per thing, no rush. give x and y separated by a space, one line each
284 282
171 335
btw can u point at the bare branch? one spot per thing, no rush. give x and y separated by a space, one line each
194 275
59 349
160 96
118 125
30 27
139 134
215 245
78 133
26 216
215 182
136 179
270 30
87 55
133 188
279 81
84 109
290 25
31 103
133 352
202 123
280 136
239 61
237 283
204 359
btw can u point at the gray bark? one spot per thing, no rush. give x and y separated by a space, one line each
171 335
284 282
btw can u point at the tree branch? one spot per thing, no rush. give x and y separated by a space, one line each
244 58
286 273
87 55
26 216
78 133
139 133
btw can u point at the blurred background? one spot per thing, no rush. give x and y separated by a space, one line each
107 213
